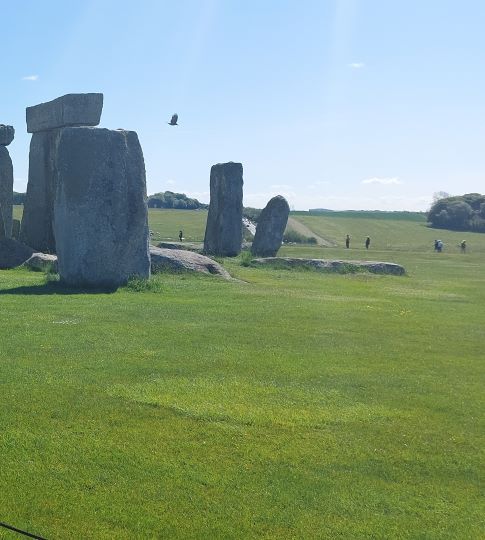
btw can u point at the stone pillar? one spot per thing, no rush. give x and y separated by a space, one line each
100 210
7 134
46 121
271 227
223 233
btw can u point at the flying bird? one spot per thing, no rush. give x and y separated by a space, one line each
173 121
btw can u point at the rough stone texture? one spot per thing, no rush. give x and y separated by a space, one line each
100 210
333 266
15 229
223 233
7 134
68 110
13 253
271 226
198 247
41 261
6 190
36 229
2 227
179 260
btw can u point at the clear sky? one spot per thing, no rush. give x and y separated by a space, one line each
341 104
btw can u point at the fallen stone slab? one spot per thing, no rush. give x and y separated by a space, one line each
13 253
7 134
198 247
41 261
68 110
338 266
178 260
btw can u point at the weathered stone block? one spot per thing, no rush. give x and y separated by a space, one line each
13 253
36 229
180 260
223 233
68 110
271 226
100 210
6 190
7 134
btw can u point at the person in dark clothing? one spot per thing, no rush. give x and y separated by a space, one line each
367 242
181 235
347 241
463 246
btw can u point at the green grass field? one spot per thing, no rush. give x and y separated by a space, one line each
284 405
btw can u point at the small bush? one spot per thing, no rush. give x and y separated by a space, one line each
295 237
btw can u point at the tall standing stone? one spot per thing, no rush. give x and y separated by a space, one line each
6 179
271 227
36 229
100 211
46 121
223 233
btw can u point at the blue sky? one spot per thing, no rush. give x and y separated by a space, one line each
342 104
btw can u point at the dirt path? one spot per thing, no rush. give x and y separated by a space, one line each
303 229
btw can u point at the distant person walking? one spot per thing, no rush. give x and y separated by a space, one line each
367 242
347 241
181 235
436 245
463 246
439 246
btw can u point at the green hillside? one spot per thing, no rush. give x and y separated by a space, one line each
286 404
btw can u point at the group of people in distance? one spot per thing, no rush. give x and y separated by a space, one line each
366 243
438 244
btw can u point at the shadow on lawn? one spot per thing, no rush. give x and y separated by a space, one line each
54 287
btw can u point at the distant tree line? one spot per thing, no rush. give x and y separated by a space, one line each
169 199
460 213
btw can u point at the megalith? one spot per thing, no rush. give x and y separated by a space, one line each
271 227
100 210
7 134
46 122
223 233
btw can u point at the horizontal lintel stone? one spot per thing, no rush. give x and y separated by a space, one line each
68 110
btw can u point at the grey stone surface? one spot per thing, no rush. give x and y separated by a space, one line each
198 247
36 229
2 227
13 253
271 226
223 233
100 211
68 110
179 260
15 229
7 134
6 190
332 266
41 261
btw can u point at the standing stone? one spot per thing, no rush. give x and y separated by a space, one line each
46 122
7 133
36 230
100 210
68 110
6 190
271 227
223 233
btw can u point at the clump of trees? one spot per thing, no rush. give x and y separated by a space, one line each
169 199
460 213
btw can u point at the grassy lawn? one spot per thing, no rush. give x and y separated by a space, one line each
285 405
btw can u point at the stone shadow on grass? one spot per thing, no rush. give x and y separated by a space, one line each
55 287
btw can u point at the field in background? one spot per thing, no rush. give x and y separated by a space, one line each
285 405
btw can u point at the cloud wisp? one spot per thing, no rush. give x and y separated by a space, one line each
357 65
383 181
30 78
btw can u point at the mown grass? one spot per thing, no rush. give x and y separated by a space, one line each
284 405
